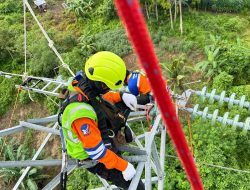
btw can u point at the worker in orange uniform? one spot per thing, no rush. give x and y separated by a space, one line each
84 122
138 85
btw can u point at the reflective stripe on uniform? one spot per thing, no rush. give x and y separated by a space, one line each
138 81
97 152
71 138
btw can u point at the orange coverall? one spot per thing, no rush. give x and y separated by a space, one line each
92 142
141 85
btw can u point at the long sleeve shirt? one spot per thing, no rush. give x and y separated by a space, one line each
137 85
90 136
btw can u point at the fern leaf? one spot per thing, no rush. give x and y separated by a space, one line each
32 184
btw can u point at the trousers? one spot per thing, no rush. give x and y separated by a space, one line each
114 176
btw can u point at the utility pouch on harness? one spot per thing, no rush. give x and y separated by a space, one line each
114 115
117 121
98 110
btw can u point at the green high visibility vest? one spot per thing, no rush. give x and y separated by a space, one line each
72 112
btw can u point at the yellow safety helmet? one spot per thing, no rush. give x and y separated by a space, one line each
106 67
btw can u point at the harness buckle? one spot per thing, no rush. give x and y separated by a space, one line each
111 133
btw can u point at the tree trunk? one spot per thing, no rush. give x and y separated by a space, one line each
171 16
146 7
175 10
181 27
156 10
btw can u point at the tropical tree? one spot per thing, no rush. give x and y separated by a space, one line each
170 14
156 10
210 66
167 6
178 72
81 8
87 43
181 2
106 9
181 25
175 10
145 4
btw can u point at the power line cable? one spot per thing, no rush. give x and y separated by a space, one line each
213 165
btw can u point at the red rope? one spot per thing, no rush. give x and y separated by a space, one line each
132 18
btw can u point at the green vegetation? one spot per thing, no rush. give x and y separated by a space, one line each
12 150
82 179
213 46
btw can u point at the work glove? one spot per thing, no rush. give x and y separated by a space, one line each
129 172
130 100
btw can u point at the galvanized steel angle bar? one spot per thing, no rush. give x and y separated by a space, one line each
132 150
45 120
105 183
27 163
148 176
162 156
156 159
24 173
56 180
40 128
134 183
12 130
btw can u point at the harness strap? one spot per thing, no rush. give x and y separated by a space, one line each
83 87
63 175
107 114
63 180
116 118
102 122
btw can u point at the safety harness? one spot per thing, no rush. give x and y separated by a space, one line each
114 118
110 118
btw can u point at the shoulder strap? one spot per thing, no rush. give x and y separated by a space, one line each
69 99
114 115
